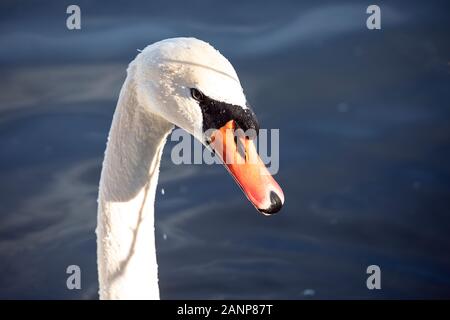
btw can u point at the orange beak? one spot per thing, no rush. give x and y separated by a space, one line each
238 154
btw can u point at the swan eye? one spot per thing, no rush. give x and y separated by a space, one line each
196 94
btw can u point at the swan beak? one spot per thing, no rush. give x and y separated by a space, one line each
238 154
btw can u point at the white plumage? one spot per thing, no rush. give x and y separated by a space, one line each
154 97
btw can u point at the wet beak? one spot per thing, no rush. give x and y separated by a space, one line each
239 155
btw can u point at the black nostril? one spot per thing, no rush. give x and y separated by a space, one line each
275 204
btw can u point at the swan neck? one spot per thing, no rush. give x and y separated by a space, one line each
126 251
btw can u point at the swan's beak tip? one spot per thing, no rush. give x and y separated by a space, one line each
275 204
250 172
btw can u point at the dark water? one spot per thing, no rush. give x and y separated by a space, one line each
365 149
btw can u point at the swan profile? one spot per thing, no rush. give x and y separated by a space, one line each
183 82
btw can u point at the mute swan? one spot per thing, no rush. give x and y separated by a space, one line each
183 82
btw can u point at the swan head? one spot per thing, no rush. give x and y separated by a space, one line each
192 85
